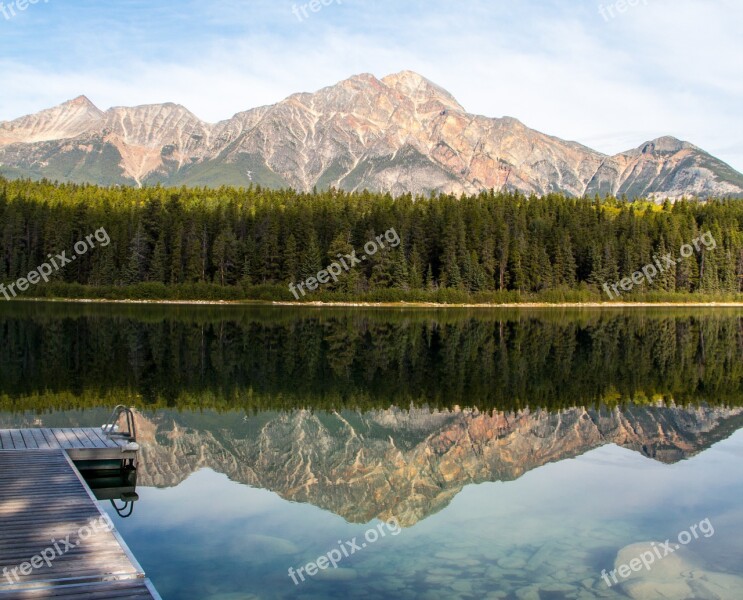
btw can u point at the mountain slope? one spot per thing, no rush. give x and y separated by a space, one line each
407 464
400 134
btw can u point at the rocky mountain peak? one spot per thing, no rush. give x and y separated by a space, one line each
81 101
399 134
665 144
67 120
359 81
155 125
421 90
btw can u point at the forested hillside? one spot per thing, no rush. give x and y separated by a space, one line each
251 243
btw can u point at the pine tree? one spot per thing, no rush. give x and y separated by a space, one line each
564 267
176 259
224 258
290 261
159 266
138 250
193 271
400 276
311 262
431 284
340 248
416 271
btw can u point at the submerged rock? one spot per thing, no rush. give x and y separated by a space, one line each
511 562
270 545
678 575
341 574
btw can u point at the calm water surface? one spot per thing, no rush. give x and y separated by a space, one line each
504 454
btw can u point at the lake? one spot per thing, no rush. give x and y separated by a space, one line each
407 453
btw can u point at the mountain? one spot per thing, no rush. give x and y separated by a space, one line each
400 134
406 463
67 120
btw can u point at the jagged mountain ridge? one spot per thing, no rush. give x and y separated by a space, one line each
407 464
399 134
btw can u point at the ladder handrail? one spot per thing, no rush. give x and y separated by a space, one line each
109 429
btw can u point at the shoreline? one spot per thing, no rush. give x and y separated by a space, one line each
434 305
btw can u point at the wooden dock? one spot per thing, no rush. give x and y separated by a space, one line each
43 500
81 444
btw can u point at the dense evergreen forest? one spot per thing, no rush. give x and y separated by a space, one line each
251 243
71 356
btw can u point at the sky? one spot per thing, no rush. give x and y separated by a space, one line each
608 74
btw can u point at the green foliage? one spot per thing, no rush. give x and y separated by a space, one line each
237 243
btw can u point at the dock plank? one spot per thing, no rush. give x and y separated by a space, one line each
97 432
66 439
6 442
105 441
33 515
17 438
44 498
135 590
39 437
92 440
28 438
83 438
49 437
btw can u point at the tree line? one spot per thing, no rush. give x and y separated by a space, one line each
241 243
62 356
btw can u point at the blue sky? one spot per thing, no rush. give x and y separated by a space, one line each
661 67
